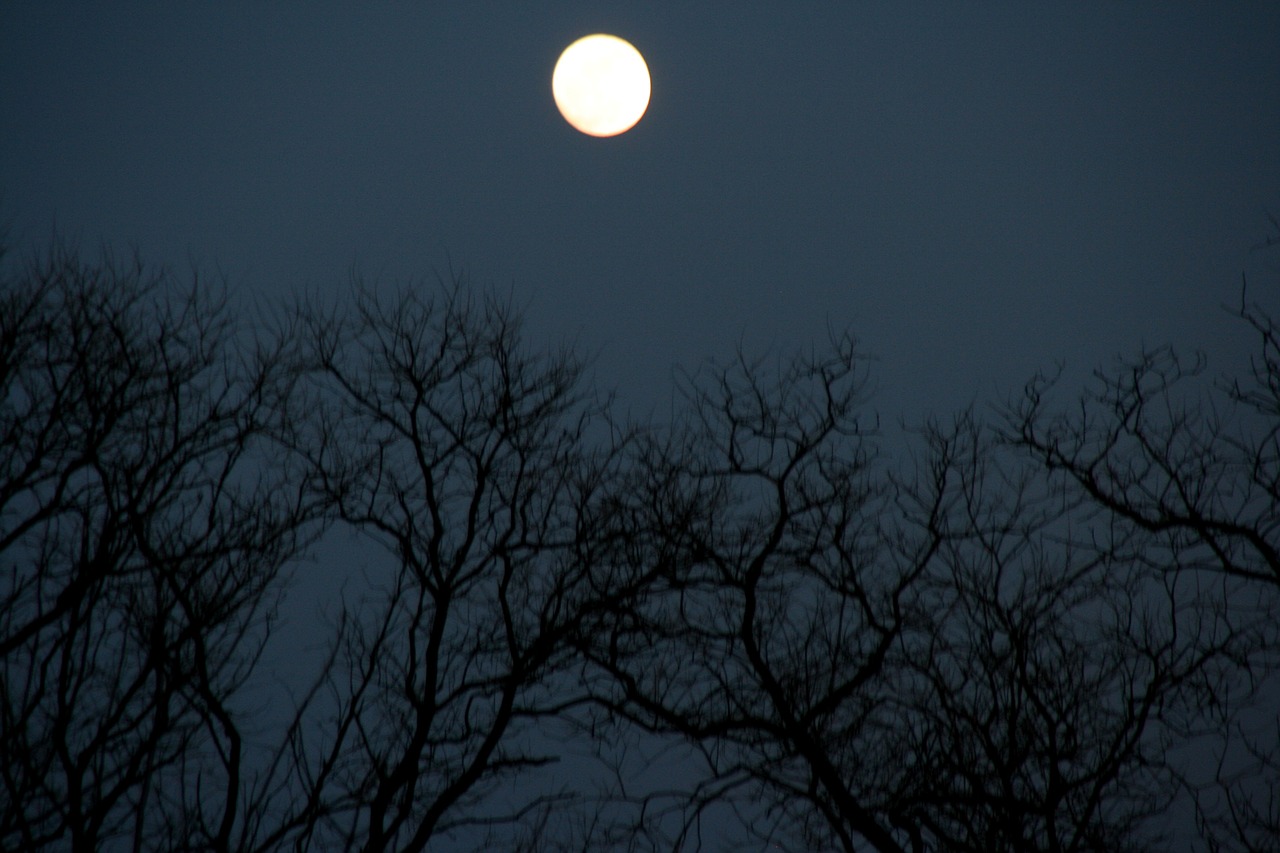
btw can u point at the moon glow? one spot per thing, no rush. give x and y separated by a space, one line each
601 85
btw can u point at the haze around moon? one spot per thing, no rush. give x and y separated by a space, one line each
601 85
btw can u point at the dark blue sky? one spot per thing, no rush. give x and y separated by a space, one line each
977 189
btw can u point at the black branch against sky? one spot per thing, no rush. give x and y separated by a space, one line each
1013 634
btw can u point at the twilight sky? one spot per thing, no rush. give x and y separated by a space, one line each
976 189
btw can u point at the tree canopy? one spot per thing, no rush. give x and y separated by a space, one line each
1050 625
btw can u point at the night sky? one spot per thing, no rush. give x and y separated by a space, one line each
977 190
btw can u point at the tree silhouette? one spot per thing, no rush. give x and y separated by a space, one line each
140 540
482 471
980 657
778 595
1195 469
1000 635
1060 666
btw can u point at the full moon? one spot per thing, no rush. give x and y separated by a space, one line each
601 85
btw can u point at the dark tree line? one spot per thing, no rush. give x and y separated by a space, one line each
465 457
1049 628
142 535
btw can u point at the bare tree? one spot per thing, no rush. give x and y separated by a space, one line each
1004 647
972 658
1194 467
140 543
480 469
1239 810
781 587
1151 445
1063 663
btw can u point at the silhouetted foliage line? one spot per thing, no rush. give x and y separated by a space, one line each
433 431
141 539
763 623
